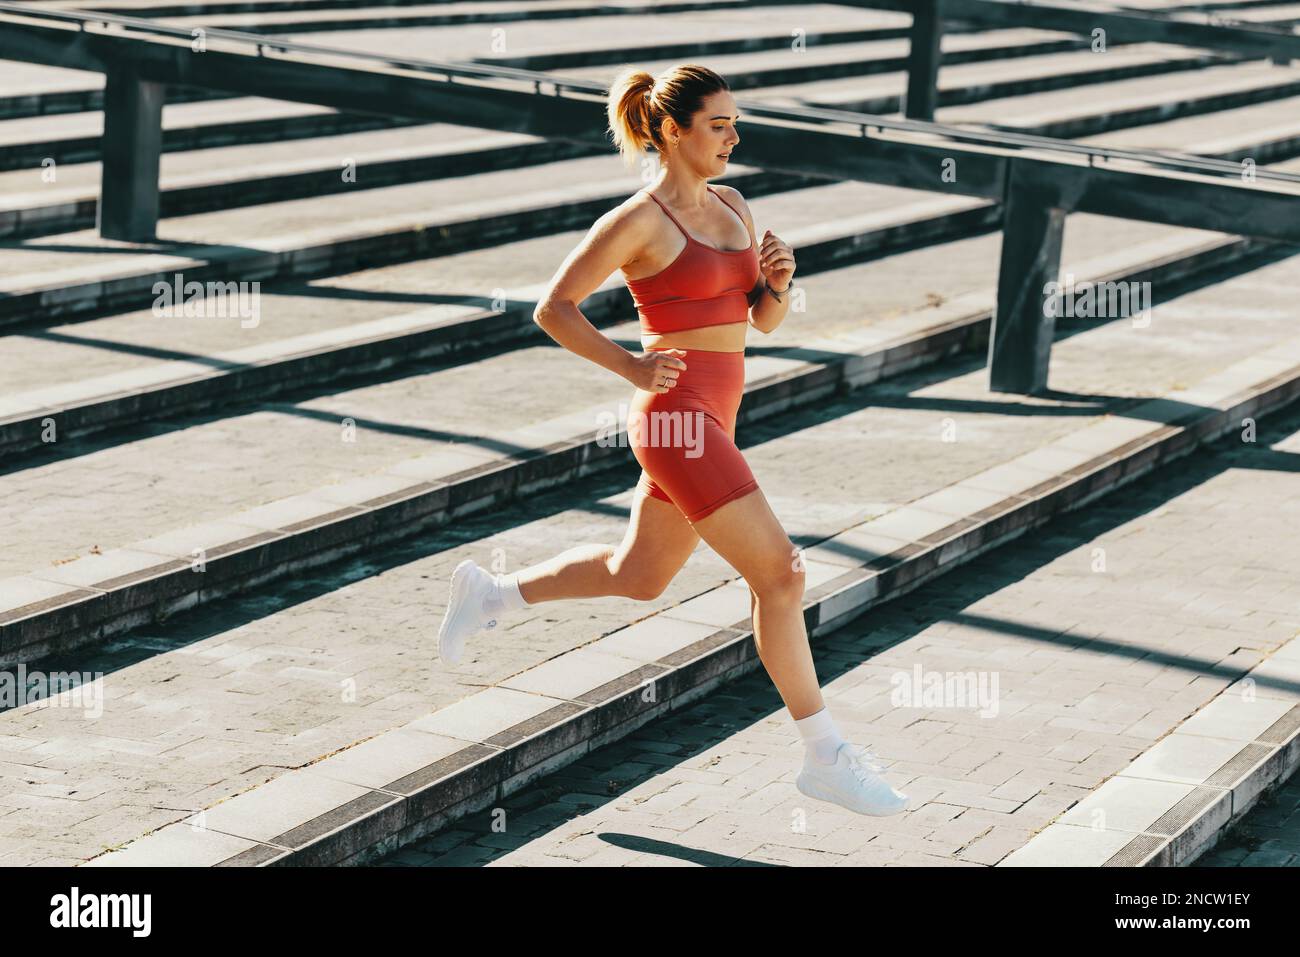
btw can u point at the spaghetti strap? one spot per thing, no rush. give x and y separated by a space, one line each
688 236
729 206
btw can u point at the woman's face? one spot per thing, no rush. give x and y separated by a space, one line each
705 148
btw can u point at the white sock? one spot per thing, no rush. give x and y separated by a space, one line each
505 595
820 736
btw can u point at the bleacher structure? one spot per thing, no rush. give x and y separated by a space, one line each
952 132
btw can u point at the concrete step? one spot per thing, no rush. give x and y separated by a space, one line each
586 30
1267 835
412 780
122 386
318 333
224 8
1133 102
31 90
337 20
286 170
234 8
573 48
80 273
75 137
1265 133
998 696
1173 801
69 274
964 78
1147 86
153 371
563 47
93 597
206 180
238 8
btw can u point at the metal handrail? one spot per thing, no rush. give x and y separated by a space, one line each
559 85
261 43
1211 18
1006 140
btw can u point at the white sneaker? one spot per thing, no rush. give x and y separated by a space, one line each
851 782
465 615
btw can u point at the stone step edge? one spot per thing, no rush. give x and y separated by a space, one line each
411 781
313 123
87 406
95 597
78 293
33 215
1185 815
399 237
26 105
22 105
316 121
1140 111
88 99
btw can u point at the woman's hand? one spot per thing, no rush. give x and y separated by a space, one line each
776 260
657 371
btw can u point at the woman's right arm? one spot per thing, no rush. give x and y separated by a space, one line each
610 243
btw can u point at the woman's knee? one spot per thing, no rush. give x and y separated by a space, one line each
636 580
641 585
645 589
783 580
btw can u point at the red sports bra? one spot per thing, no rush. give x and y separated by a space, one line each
703 286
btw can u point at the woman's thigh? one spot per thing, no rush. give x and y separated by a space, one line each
746 533
718 497
697 464
658 541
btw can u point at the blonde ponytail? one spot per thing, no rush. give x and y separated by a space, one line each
630 113
639 103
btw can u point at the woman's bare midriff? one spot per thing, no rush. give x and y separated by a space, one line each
729 337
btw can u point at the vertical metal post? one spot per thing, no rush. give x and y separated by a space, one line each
131 148
1020 341
923 60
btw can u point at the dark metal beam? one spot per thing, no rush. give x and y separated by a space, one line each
926 38
1121 26
131 149
837 144
1020 339
1259 209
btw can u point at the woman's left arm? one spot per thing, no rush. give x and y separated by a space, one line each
769 300
776 264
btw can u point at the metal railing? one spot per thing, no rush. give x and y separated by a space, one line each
1037 179
550 85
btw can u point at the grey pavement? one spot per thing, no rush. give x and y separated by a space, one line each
1091 641
229 696
198 468
1106 630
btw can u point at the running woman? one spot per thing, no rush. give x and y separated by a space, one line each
699 280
